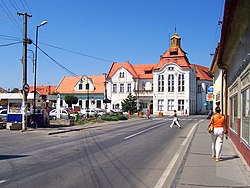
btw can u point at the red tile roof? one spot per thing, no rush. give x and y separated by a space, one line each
175 55
43 90
202 73
137 71
115 66
68 83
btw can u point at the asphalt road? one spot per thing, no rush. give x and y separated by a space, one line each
142 153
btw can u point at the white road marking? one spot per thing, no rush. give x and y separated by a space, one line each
143 131
170 166
2 181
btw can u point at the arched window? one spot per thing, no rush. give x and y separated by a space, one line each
170 83
160 83
181 82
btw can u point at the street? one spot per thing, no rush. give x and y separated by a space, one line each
138 153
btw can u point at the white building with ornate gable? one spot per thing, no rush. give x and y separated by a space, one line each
169 85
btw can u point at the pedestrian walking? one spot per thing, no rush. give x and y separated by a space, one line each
148 114
175 121
217 135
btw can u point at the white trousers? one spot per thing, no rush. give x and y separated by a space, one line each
217 141
175 121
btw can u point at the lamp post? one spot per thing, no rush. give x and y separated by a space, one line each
35 65
105 91
87 88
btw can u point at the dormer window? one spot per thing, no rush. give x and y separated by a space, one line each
80 86
121 74
170 68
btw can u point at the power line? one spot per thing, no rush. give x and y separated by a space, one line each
14 5
60 65
27 6
10 16
217 28
23 6
10 37
4 45
82 54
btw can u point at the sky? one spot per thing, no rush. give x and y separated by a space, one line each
84 37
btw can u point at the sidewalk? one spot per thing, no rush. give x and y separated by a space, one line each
198 169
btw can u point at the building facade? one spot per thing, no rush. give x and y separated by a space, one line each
88 89
169 85
231 70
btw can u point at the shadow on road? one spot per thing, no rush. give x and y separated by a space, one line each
6 157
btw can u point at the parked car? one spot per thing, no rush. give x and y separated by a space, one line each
100 112
3 114
90 112
53 114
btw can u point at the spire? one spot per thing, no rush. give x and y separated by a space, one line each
175 40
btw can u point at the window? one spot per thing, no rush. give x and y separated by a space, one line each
160 104
245 119
160 83
121 88
171 68
87 104
80 103
180 105
181 82
234 113
171 83
80 86
87 86
114 88
121 74
144 105
129 87
199 89
143 86
170 104
98 104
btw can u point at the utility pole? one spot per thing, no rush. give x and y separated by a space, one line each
24 62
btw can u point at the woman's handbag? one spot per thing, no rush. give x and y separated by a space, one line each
211 126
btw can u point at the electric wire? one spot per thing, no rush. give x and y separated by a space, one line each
217 29
4 45
71 51
10 16
60 65
6 37
14 5
23 6
27 6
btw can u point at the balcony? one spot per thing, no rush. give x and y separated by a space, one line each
144 92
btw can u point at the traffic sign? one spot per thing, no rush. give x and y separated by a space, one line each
210 90
26 88
210 97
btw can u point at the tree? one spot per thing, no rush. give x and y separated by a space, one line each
15 90
129 104
71 99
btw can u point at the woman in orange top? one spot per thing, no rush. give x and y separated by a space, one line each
220 129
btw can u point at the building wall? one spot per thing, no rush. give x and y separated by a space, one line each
166 101
239 112
217 85
119 78
202 87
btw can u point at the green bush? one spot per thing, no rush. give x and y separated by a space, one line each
121 117
114 117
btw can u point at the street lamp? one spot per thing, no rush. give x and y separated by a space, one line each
87 88
35 64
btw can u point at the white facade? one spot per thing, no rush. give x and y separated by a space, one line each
121 84
176 92
169 85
